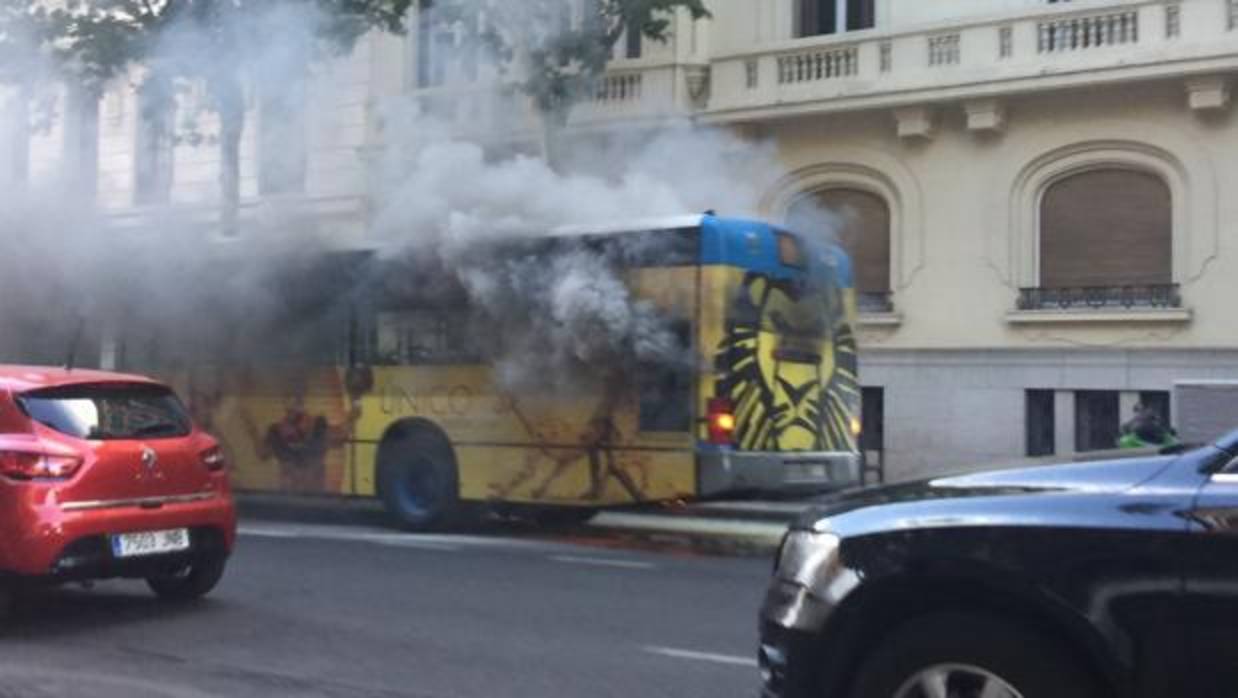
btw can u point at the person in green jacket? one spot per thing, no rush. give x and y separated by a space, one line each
1146 430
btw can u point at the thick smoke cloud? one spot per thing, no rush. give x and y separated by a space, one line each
441 207
564 317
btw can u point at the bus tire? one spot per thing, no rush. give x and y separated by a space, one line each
417 479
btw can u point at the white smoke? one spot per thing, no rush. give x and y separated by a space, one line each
566 314
438 200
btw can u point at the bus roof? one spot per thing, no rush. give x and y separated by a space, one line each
631 226
744 242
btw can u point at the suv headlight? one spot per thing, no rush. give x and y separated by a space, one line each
808 558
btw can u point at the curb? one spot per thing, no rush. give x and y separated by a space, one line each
311 509
716 535
722 530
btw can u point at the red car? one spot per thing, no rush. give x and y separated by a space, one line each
105 475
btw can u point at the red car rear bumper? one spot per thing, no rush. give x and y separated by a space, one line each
41 536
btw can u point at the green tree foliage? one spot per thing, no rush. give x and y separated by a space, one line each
219 45
26 36
556 50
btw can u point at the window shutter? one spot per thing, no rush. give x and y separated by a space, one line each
1107 227
863 221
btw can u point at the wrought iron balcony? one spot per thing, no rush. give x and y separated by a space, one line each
1101 297
875 302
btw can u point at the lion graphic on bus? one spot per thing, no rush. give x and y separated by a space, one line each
788 371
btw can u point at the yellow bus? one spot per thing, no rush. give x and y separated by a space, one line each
415 410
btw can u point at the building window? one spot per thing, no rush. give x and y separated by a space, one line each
818 17
887 56
1106 228
1005 42
1097 422
430 65
1149 419
872 419
281 140
1173 20
1158 402
153 156
1041 422
751 73
943 49
81 140
15 140
632 43
861 221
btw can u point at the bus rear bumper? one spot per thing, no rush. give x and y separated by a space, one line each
723 472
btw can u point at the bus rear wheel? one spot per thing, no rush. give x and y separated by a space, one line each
417 480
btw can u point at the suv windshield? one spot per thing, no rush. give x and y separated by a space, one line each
113 411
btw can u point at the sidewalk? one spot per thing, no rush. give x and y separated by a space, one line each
724 527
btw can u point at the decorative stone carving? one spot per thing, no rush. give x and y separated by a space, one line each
1208 93
986 115
915 122
697 78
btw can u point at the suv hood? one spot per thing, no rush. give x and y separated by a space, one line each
991 495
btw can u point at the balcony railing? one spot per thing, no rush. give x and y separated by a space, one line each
1089 31
1101 297
1059 45
875 302
496 110
619 87
943 49
810 66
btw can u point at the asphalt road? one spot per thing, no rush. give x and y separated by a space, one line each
352 611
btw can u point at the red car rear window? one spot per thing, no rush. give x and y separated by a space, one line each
110 411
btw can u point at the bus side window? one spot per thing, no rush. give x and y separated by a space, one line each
423 336
664 389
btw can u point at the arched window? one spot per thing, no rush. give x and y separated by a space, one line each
1106 227
861 219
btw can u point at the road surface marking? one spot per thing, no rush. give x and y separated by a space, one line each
731 659
602 562
418 544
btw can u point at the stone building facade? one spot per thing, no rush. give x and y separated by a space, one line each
1037 193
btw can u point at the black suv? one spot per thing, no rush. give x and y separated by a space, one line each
1100 579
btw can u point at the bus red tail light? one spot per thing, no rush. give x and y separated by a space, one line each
28 465
213 458
721 419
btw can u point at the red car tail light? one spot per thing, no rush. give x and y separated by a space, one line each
29 465
721 421
213 458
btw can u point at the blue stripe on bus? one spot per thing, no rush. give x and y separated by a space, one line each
753 246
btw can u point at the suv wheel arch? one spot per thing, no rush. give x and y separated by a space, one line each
879 608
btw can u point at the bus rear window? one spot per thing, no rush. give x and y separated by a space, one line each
111 411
